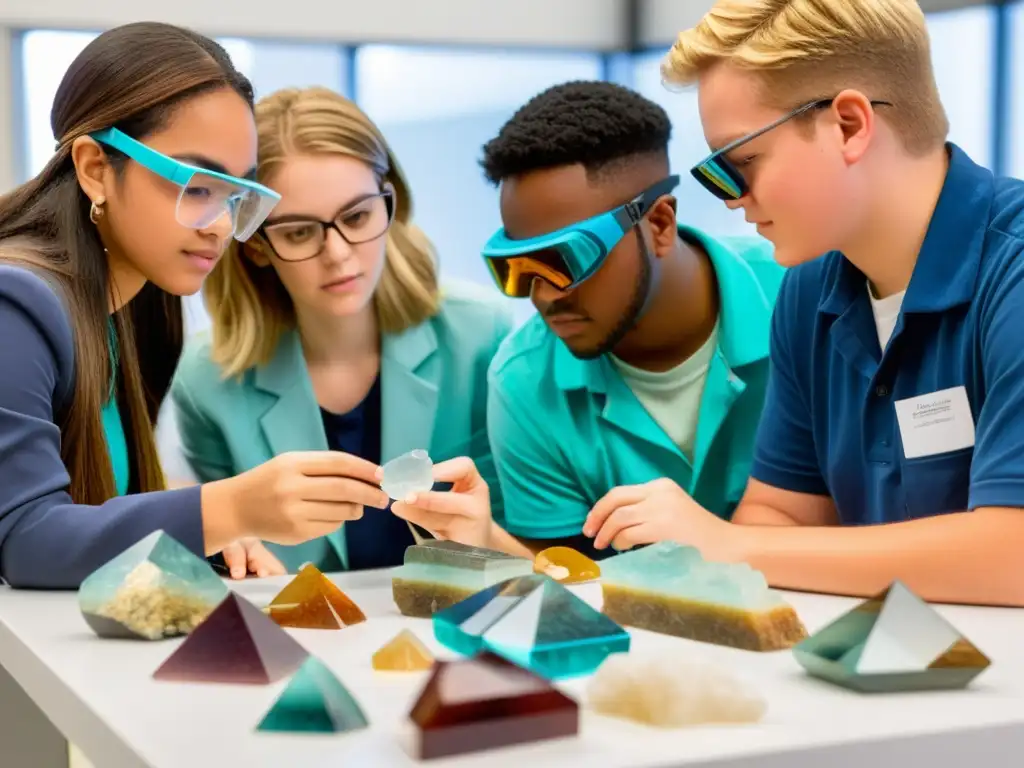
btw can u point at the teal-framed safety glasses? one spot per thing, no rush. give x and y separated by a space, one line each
720 176
568 256
206 195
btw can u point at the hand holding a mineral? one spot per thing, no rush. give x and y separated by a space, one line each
293 498
461 514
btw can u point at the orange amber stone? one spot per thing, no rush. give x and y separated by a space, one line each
566 565
403 653
312 601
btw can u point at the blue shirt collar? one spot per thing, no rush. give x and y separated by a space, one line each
947 266
744 319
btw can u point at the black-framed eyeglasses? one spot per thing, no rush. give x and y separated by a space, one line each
301 238
719 176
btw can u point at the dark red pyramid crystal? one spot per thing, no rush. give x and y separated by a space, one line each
486 702
235 644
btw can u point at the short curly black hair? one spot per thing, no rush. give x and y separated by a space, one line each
593 123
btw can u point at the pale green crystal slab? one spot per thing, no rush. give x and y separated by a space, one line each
669 588
671 568
438 574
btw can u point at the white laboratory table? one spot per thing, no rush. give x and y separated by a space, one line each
101 696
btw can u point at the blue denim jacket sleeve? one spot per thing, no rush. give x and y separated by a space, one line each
46 540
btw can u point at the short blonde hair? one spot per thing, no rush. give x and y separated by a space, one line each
810 49
249 306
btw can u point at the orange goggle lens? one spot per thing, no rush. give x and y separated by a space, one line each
515 274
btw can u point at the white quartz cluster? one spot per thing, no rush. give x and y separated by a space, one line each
671 692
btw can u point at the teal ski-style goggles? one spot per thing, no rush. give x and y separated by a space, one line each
206 195
568 256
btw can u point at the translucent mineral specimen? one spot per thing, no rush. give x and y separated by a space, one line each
313 601
154 589
411 472
536 623
403 653
486 702
670 692
438 574
566 565
314 701
893 642
235 644
669 588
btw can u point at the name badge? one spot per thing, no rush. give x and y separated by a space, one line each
936 423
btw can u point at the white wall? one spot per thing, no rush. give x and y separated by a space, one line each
661 20
591 24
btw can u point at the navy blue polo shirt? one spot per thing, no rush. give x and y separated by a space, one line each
378 539
829 424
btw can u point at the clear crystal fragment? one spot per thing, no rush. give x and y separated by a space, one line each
412 472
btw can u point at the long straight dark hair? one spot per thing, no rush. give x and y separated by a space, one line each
131 77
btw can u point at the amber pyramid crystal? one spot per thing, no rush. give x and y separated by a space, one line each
566 565
487 702
403 653
236 644
312 601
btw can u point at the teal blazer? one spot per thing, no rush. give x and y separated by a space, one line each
433 396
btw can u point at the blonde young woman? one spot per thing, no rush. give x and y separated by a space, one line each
330 330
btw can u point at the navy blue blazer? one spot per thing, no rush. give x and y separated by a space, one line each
46 540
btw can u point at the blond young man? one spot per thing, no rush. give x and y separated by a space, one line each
892 441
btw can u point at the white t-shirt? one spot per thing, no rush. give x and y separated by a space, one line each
672 397
886 312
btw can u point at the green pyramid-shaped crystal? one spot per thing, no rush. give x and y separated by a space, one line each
534 622
893 642
314 701
154 589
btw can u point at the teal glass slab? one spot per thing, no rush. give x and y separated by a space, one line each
438 574
670 589
314 701
673 569
892 642
535 623
154 589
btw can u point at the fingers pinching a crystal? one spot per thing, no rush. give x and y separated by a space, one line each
410 473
